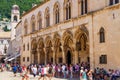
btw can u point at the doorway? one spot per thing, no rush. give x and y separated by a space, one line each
68 59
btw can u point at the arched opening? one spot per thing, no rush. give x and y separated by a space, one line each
41 51
56 13
67 4
102 35
49 51
15 18
82 45
68 57
34 54
68 47
42 57
47 17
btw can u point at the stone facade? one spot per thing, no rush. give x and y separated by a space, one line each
4 44
72 31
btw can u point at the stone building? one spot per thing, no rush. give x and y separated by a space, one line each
4 44
14 48
72 31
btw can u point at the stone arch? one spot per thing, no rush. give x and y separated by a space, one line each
33 23
25 26
34 53
57 48
41 43
34 44
68 46
41 51
49 51
81 30
67 35
82 46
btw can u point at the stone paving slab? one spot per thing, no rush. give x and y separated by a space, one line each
10 76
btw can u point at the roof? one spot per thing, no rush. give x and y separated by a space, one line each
34 8
5 34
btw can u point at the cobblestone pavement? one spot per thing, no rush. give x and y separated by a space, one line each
9 76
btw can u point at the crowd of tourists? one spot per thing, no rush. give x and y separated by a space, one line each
73 71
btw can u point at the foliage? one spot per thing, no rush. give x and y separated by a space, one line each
6 6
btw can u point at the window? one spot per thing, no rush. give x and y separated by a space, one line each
33 27
47 17
68 9
15 18
28 46
40 24
39 21
116 1
27 59
103 59
25 30
112 2
24 47
102 35
33 23
56 13
84 7
23 59
25 27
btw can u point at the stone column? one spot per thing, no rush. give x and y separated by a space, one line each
76 56
53 50
63 54
45 56
38 54
91 45
32 57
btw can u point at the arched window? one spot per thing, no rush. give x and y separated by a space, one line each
102 35
33 27
39 21
25 27
33 23
83 6
24 47
47 17
56 13
67 9
15 18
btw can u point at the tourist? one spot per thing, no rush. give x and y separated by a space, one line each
63 70
71 72
14 69
34 70
26 75
90 75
